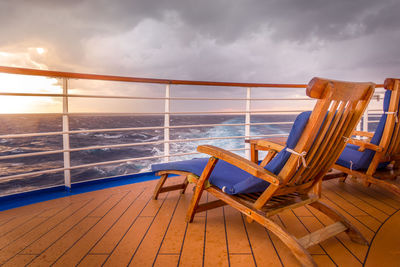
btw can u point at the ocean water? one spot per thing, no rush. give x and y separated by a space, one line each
45 123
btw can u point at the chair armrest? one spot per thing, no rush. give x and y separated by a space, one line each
363 144
240 162
361 133
268 144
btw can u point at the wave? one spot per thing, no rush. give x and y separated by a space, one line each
20 145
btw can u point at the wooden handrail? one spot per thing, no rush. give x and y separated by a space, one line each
73 75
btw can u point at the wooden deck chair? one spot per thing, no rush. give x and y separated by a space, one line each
369 159
292 178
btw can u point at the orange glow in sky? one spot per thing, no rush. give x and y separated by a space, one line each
10 83
28 84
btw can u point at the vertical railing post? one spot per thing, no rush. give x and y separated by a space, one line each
247 121
358 128
365 120
65 129
166 123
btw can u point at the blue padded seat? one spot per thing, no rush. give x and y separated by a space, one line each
233 180
351 158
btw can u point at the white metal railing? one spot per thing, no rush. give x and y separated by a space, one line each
167 141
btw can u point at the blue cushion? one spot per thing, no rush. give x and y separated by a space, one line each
351 146
361 160
350 158
224 174
232 179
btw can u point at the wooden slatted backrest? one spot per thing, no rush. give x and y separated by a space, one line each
339 108
390 141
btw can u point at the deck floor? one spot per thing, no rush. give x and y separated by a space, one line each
123 226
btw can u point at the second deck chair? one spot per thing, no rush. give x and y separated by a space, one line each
368 159
293 178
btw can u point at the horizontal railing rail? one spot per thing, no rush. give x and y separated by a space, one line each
72 75
166 140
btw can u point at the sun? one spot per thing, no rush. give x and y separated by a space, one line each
40 50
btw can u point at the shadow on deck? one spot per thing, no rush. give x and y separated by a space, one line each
123 226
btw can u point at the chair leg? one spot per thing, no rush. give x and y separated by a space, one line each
290 241
385 185
200 188
343 179
351 231
159 185
366 183
185 184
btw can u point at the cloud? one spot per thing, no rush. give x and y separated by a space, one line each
247 41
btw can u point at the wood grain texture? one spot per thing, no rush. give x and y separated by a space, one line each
123 237
386 151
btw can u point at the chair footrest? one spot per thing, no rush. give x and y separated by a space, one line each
334 175
210 205
172 187
322 234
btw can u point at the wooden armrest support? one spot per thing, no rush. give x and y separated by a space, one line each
364 144
240 162
265 144
361 133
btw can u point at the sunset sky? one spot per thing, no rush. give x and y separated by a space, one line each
277 41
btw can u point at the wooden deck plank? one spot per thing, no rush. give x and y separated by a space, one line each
365 223
36 207
357 249
370 221
101 210
30 237
323 260
287 258
148 250
20 231
192 250
302 211
385 250
93 260
236 233
172 243
297 229
52 211
16 223
82 247
335 249
349 207
167 260
125 249
19 260
57 249
29 226
115 233
260 243
6 219
383 191
342 207
240 260
89 231
53 235
361 203
375 192
367 198
215 250
152 207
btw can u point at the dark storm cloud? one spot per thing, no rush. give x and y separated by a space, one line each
244 40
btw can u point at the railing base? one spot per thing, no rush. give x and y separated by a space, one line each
44 194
